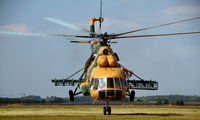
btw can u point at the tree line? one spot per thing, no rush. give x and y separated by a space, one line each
159 99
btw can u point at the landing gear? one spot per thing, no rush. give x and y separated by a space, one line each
106 109
132 96
109 110
71 95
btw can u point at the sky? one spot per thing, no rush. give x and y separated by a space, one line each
27 64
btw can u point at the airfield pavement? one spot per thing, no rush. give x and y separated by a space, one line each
95 112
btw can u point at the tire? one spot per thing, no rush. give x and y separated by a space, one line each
132 96
109 110
71 95
104 110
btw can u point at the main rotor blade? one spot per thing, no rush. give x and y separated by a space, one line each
155 35
147 28
75 41
25 34
42 35
66 24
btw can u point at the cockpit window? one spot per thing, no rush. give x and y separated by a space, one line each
123 83
102 83
117 83
92 81
96 83
110 83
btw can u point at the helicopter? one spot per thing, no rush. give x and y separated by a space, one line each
103 77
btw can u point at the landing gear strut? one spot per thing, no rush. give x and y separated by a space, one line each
132 96
71 95
106 109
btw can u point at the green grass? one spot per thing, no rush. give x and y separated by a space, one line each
84 112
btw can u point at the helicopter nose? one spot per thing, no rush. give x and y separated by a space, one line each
110 94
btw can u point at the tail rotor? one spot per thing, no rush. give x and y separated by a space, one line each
100 17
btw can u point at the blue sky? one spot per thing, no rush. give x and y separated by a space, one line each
28 63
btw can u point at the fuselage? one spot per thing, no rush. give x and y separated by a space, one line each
104 78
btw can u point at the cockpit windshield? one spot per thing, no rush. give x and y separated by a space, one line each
117 83
110 83
102 83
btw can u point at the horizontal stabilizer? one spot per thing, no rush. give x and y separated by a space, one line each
65 82
143 84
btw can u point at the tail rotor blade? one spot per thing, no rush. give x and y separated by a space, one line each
101 8
101 18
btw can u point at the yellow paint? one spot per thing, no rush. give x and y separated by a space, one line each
92 20
107 67
110 72
93 43
102 61
105 47
112 61
103 66
84 83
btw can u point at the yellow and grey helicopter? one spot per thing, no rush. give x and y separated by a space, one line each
103 77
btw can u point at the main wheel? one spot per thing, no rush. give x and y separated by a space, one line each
132 96
104 110
109 110
71 95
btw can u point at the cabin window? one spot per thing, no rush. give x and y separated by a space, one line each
117 83
102 83
96 84
110 83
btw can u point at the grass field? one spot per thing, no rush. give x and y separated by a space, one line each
84 112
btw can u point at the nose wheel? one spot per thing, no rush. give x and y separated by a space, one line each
107 109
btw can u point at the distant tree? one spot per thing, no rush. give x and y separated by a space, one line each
179 102
166 102
162 101
159 101
43 100
139 100
58 100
